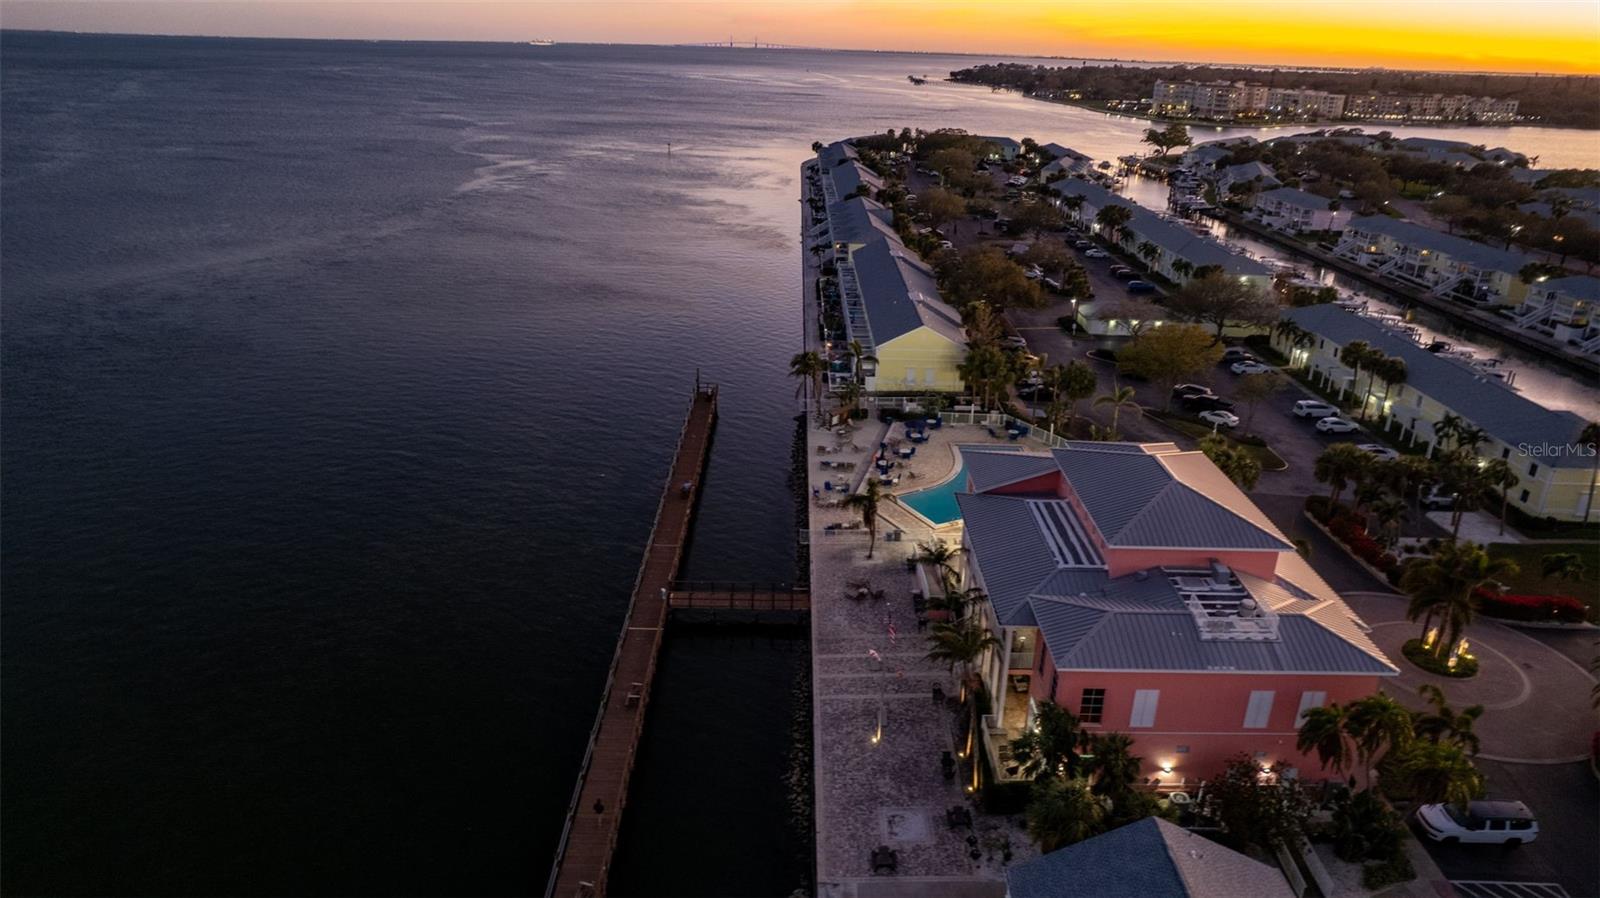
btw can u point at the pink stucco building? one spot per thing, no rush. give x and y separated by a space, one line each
1136 586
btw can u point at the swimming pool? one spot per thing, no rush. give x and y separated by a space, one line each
938 503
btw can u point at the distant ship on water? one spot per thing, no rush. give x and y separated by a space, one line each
542 43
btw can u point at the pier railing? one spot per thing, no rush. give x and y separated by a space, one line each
728 595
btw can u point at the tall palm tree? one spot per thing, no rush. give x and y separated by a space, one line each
849 395
964 643
1062 812
1339 465
1378 726
1442 585
942 556
1149 252
1354 355
1112 766
1388 512
809 367
1113 218
1590 437
1446 429
1499 474
1563 566
1392 370
867 502
1050 747
1323 732
1119 398
1182 268
1077 384
1446 724
860 356
1439 772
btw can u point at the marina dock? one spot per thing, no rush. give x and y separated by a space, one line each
589 838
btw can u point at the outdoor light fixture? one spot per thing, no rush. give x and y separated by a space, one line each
1167 767
1428 640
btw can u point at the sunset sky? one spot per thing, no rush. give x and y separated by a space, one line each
1492 35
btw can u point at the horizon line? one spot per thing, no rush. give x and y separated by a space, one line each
709 45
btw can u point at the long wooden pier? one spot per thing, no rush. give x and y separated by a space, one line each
716 596
583 858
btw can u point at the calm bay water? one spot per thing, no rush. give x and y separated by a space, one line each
338 382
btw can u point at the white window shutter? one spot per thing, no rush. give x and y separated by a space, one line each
1144 708
1259 711
1309 700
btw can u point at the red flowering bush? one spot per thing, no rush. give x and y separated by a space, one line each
1564 609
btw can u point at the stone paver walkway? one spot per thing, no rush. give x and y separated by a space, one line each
879 733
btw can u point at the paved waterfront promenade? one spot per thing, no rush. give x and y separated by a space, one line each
887 791
583 859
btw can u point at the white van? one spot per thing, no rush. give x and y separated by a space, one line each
1314 408
1507 823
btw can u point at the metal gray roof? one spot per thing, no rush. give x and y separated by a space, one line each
901 294
1461 249
1177 241
1245 171
1150 858
1136 500
850 175
837 152
1503 413
1083 637
858 220
1002 532
1295 197
987 470
1578 287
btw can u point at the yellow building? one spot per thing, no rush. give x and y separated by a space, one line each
1541 444
914 339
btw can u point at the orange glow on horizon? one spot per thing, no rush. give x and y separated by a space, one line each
1555 36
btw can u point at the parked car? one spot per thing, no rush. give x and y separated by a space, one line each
1125 274
945 244
1249 367
1082 244
1236 354
1095 252
1033 274
1507 823
1219 418
1141 287
1315 408
1207 402
1381 452
1052 283
1439 500
1015 341
1118 269
1336 425
1183 390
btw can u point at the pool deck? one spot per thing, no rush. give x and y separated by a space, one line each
889 790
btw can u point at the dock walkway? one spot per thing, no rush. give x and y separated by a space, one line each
583 858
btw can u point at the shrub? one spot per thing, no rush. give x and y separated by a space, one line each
1564 609
1364 828
1317 507
1466 666
1396 869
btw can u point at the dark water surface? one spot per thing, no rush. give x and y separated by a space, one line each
338 381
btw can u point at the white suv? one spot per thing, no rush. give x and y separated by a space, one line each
1314 408
1482 823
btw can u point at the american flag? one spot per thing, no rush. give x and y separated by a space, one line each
892 632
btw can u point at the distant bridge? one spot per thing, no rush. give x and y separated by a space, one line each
752 44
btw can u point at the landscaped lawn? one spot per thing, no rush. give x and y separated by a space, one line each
1529 557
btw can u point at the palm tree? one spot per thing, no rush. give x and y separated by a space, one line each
957 601
809 366
1077 384
1339 465
1062 812
1590 437
1182 268
1563 566
1050 747
867 501
1498 473
1448 428
850 394
1442 586
1393 372
1112 218
1444 723
943 557
1149 252
1112 766
860 355
1435 772
1119 398
1378 726
964 643
1389 512
1323 732
1355 354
